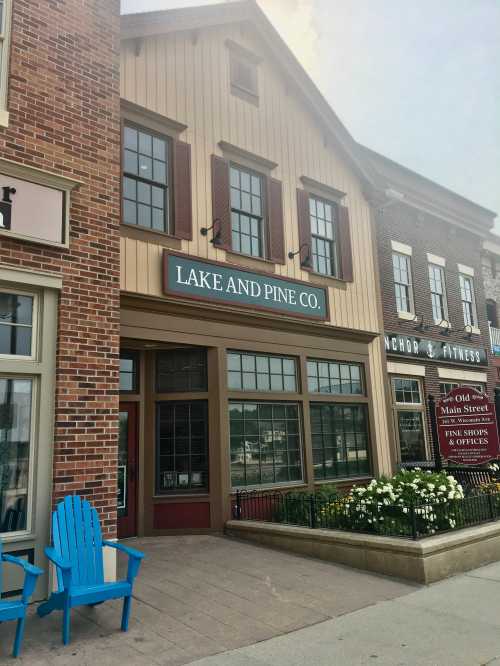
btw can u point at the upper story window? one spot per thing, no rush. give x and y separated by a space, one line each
468 300
491 312
438 293
247 211
401 264
5 12
16 324
145 179
323 236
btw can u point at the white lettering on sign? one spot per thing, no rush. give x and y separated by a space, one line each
211 281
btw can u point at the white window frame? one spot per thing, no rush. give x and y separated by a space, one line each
474 323
404 314
13 536
440 268
5 28
409 407
34 324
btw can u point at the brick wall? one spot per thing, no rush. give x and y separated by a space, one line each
64 118
427 234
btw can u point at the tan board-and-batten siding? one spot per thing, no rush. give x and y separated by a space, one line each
186 79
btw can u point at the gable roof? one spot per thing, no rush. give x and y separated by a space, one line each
146 24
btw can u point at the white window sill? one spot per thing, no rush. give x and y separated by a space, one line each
409 316
442 323
4 118
475 331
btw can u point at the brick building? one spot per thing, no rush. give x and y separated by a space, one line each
490 265
436 330
59 263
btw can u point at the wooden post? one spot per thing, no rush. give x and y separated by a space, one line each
434 432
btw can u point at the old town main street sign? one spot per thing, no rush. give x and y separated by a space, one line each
204 280
467 427
434 350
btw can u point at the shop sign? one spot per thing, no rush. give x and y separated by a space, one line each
204 280
434 350
467 427
32 212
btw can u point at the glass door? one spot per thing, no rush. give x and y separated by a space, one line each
127 471
409 411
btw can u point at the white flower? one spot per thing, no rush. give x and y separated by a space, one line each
442 489
431 486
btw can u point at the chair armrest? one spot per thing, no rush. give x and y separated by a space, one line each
31 574
57 560
135 558
28 568
131 552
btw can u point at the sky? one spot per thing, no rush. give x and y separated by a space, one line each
416 80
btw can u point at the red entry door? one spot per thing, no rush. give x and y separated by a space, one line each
127 470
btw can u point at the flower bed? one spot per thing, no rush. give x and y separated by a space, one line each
412 504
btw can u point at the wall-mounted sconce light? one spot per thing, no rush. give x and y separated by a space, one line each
419 321
306 261
216 232
445 326
468 330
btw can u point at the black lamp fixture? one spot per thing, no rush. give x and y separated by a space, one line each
216 232
419 321
306 261
445 326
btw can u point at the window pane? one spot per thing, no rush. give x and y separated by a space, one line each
15 440
340 437
145 144
129 212
181 370
334 377
247 211
262 372
128 371
130 162
182 446
262 450
130 138
411 436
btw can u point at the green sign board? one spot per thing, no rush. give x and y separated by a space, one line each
200 279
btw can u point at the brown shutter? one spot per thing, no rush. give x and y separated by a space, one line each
275 217
345 248
183 222
304 226
221 208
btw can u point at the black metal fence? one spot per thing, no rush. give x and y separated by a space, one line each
413 521
467 477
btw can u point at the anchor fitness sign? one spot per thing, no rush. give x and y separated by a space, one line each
467 427
434 350
200 279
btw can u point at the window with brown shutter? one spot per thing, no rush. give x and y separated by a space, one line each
156 183
324 236
247 210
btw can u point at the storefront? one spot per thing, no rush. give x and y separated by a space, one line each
28 332
418 367
217 398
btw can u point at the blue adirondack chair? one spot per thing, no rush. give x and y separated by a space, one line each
77 553
16 609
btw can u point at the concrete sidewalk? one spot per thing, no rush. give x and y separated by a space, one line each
452 623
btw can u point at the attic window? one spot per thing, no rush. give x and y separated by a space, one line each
243 72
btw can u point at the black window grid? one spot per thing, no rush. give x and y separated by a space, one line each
265 442
334 377
340 440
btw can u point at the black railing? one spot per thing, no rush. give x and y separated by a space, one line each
467 477
413 521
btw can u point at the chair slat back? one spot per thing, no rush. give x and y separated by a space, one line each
76 535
